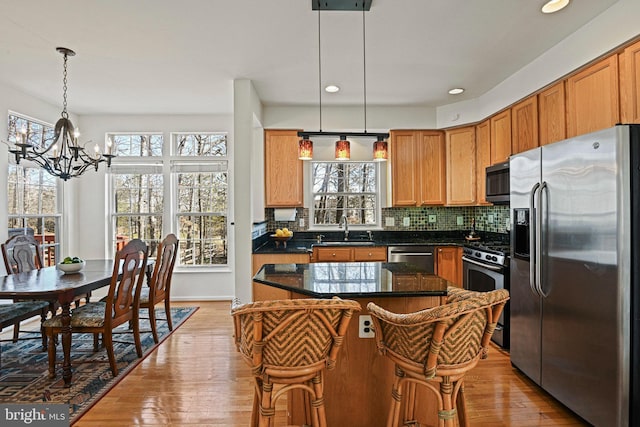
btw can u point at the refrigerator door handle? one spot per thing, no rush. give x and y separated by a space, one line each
539 237
532 239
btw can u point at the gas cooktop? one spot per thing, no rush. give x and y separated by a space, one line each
493 252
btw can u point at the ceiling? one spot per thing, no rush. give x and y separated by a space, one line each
181 57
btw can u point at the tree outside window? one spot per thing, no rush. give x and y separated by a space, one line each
32 193
185 193
344 189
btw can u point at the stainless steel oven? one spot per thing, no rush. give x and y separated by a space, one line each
485 268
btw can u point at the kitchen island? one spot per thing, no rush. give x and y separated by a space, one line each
358 390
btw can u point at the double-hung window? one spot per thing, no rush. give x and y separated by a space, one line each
180 187
32 193
348 189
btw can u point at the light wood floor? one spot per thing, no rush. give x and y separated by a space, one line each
196 377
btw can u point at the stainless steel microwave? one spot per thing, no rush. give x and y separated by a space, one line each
497 184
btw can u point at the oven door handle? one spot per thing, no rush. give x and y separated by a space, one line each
481 264
412 253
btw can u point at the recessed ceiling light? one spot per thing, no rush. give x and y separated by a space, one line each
456 91
554 6
332 89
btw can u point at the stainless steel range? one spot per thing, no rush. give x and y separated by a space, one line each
485 268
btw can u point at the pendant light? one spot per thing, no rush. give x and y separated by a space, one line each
380 149
305 145
342 146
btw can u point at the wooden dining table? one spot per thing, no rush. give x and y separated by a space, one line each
51 284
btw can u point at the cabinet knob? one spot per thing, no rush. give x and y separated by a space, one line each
333 254
370 254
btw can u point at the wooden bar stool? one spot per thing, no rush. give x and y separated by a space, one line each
288 344
435 348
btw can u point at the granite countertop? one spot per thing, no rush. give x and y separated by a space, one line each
304 241
353 279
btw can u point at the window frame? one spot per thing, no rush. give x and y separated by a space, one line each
169 163
377 225
40 217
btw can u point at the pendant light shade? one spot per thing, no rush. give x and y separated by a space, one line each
305 149
343 149
380 152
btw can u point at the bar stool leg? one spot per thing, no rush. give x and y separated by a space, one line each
396 399
318 403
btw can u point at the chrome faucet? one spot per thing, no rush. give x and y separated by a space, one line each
346 226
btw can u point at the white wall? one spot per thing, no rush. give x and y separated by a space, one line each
92 221
349 118
248 129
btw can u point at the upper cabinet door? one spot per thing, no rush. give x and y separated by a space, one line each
524 125
431 155
630 84
551 112
283 170
500 137
403 168
592 98
461 166
483 159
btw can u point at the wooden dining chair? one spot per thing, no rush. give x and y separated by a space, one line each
159 288
121 305
22 253
435 348
288 344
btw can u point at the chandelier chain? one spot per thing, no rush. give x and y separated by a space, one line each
64 89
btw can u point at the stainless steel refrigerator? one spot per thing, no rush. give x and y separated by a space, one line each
574 272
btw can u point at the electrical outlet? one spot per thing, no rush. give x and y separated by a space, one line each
365 329
301 222
406 221
490 219
460 220
389 221
433 218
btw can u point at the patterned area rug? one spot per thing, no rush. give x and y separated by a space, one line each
24 366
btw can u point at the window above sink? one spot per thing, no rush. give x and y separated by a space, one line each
349 189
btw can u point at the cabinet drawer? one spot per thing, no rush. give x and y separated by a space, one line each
370 254
330 254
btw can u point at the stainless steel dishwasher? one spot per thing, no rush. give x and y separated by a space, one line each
419 255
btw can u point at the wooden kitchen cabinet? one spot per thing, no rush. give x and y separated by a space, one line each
630 84
461 166
449 264
332 254
551 114
417 168
349 254
483 159
282 169
593 98
365 253
500 137
524 125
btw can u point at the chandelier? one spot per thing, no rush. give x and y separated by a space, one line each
61 155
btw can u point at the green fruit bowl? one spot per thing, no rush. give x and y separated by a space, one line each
71 268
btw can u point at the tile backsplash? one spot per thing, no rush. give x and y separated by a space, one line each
488 218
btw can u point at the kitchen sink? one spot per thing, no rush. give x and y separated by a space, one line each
346 243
